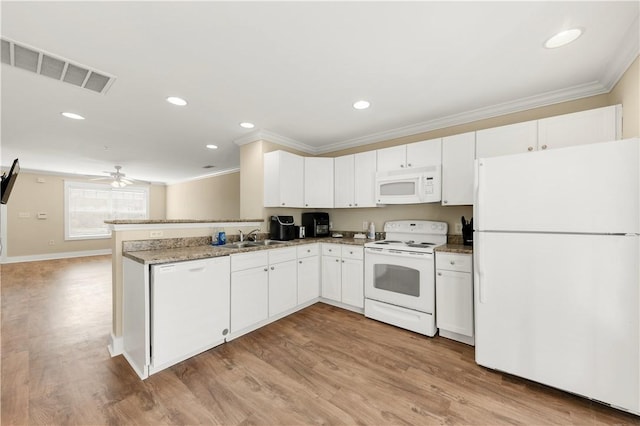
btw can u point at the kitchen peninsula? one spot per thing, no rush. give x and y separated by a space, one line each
154 230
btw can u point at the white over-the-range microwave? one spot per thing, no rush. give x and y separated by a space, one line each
409 186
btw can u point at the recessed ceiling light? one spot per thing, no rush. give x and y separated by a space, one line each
176 101
73 116
361 105
247 125
212 146
563 38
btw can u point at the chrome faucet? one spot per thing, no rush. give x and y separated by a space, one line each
241 235
254 233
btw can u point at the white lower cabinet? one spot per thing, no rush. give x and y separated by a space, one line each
283 280
308 273
249 289
343 274
454 296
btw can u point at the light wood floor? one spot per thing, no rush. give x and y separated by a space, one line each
322 365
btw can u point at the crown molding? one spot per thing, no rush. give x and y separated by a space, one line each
549 98
625 55
275 138
208 175
81 176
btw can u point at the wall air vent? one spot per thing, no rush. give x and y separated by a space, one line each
44 63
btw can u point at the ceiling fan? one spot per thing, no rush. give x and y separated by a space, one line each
117 178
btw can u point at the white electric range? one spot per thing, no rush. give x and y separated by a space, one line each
399 275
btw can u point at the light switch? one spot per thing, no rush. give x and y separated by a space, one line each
24 215
42 215
40 180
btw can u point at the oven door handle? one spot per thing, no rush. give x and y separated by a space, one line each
397 253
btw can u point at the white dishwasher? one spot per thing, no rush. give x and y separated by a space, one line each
189 309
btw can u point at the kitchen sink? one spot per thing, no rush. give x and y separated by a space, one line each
266 243
245 244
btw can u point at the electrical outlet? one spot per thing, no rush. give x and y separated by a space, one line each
52 242
365 225
458 228
155 234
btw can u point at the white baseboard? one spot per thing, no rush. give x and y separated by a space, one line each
116 346
52 256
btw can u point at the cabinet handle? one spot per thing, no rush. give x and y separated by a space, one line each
337 260
544 147
343 261
349 204
350 252
402 166
439 274
452 262
283 204
272 268
306 205
308 251
299 261
530 148
265 269
445 202
356 204
409 165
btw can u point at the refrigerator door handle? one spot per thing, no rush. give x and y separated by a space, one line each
477 195
478 267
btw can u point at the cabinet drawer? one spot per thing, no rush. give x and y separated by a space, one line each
352 252
453 262
331 249
281 254
308 250
242 261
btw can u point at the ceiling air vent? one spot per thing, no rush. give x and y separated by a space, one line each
44 63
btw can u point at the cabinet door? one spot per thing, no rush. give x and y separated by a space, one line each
580 128
365 179
331 278
189 308
344 180
425 153
308 279
353 282
458 153
283 287
283 179
505 140
249 297
393 158
318 182
454 302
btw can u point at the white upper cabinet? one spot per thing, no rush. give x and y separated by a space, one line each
581 128
283 179
318 182
355 177
393 158
425 153
458 154
344 172
505 140
364 190
417 154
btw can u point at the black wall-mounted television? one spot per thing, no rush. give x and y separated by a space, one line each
8 180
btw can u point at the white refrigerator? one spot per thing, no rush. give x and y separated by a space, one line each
556 275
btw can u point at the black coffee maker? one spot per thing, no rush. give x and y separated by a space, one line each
467 232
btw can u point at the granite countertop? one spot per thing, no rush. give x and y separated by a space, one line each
179 254
454 248
169 221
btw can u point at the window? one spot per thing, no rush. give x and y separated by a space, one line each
88 205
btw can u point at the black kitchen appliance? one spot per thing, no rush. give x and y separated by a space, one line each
282 228
467 232
316 224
